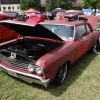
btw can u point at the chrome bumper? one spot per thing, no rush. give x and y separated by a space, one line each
26 77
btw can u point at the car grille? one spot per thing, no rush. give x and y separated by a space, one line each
14 63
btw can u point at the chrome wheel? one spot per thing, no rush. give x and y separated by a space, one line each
61 74
95 49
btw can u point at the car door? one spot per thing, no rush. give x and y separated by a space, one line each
82 42
90 35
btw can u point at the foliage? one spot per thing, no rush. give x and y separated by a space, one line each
64 4
26 4
93 4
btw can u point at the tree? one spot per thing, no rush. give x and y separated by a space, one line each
26 4
64 4
92 4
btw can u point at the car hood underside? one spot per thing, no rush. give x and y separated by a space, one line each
28 29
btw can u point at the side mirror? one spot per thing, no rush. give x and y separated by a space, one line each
84 38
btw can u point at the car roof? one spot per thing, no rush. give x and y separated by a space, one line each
27 29
92 20
62 22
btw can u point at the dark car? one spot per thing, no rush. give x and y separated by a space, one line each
55 11
50 15
13 14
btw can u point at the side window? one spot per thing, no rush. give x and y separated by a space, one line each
88 29
81 31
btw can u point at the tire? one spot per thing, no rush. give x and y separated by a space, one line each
20 17
61 74
0 41
95 48
98 42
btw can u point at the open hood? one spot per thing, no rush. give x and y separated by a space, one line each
29 29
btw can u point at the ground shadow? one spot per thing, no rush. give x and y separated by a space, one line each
73 74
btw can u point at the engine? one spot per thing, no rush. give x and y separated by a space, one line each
28 50
32 51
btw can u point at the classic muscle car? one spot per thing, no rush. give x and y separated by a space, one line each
47 50
36 18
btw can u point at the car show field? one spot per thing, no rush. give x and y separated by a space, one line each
82 83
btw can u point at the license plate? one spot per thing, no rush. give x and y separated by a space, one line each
12 73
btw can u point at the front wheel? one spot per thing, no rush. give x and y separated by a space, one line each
61 74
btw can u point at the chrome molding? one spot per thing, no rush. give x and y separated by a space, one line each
45 83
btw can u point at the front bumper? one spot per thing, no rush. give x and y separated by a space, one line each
26 77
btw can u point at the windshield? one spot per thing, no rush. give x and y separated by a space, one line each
62 31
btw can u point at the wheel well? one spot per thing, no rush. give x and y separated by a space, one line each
98 41
68 63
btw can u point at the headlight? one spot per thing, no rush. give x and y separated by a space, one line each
38 70
30 68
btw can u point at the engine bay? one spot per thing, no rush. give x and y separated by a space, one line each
28 49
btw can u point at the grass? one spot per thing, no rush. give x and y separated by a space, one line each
82 83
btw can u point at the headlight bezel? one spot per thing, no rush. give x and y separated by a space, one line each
30 68
34 68
39 70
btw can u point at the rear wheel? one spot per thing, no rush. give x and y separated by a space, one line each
61 74
0 41
96 48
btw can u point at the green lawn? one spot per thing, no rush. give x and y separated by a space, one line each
82 83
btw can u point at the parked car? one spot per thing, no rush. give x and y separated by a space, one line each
6 33
48 49
22 15
56 10
36 18
50 15
12 14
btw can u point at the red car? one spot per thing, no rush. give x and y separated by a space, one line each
36 18
6 33
48 49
